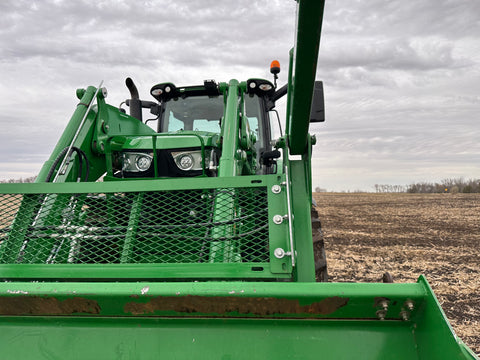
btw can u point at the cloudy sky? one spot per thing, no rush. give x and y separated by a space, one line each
401 78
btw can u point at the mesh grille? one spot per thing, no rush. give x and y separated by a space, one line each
194 226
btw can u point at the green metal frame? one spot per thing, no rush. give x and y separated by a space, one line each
274 269
217 319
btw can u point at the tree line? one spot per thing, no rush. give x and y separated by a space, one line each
21 180
450 185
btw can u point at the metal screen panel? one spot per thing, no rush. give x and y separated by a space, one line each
227 225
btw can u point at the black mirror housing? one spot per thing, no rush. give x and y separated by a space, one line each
317 112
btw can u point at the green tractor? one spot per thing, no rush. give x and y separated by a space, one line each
189 235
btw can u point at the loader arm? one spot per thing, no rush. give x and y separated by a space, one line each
303 68
300 90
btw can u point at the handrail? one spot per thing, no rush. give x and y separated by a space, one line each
67 155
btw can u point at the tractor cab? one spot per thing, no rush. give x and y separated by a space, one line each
191 126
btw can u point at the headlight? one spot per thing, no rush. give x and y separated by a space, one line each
190 160
261 87
136 162
185 161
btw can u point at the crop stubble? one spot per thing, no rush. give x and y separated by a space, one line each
437 235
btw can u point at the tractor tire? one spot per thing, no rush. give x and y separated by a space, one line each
321 272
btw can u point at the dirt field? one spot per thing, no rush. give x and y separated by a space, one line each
437 235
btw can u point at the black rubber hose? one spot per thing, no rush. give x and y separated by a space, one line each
80 164
81 154
55 163
87 165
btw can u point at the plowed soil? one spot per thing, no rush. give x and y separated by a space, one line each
437 235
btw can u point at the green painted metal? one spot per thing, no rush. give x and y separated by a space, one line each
154 141
186 338
83 140
61 235
142 272
229 162
133 221
69 132
230 165
218 320
214 299
302 226
224 212
309 25
185 139
141 185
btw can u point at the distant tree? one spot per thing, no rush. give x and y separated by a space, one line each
387 188
21 180
448 185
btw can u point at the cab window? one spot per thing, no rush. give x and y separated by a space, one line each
198 113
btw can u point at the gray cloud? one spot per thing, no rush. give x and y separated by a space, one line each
401 78
387 54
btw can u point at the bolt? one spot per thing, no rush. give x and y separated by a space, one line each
240 155
276 189
381 314
410 305
278 219
405 315
384 304
279 253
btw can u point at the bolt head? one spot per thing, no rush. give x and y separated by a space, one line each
405 315
279 253
276 189
381 314
384 304
409 305
278 219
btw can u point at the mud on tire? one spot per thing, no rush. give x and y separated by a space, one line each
321 272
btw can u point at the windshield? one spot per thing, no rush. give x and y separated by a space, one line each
198 113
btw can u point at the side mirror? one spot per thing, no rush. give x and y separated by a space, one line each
317 112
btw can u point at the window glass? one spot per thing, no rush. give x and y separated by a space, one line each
199 113
253 111
173 123
206 125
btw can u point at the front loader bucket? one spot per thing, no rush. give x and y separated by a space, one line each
109 271
224 320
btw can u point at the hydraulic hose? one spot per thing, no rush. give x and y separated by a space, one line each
81 156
